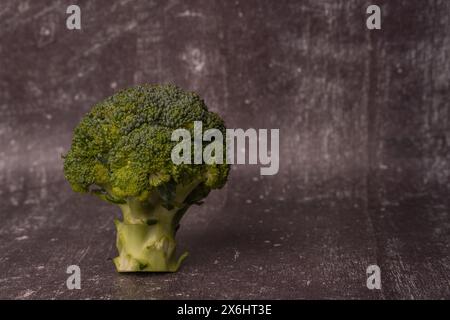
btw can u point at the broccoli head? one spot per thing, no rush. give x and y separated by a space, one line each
121 152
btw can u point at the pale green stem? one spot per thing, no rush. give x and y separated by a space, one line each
146 237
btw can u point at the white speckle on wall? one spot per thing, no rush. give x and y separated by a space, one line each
195 59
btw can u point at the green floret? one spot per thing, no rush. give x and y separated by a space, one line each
121 152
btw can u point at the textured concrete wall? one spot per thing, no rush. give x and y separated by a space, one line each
364 144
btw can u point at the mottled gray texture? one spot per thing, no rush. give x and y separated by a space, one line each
365 145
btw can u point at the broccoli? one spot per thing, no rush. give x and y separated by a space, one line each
121 152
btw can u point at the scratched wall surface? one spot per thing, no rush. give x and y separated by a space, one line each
364 145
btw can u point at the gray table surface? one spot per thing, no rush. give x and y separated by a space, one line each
364 146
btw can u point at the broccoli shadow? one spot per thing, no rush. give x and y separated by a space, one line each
225 243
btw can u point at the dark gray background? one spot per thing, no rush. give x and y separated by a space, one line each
364 145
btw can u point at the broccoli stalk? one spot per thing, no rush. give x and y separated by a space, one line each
146 237
121 152
146 246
